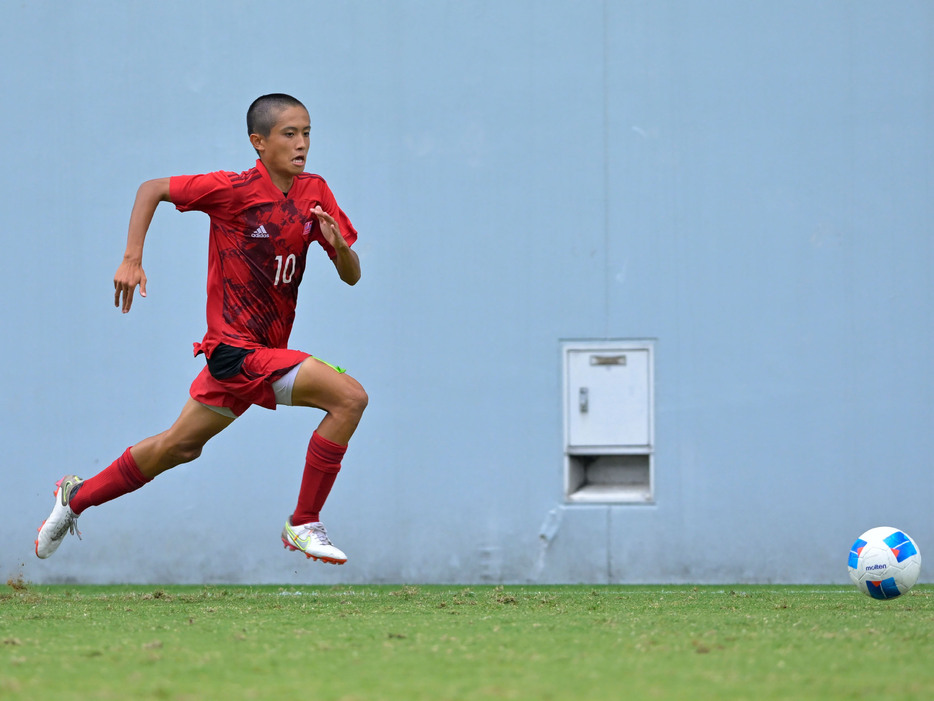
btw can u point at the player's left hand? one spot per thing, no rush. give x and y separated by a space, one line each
329 227
345 260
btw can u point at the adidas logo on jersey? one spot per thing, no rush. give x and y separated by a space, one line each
260 233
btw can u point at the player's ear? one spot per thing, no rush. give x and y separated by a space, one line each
258 141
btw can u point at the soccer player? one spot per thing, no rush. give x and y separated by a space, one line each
262 223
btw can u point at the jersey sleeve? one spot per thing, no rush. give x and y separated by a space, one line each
208 193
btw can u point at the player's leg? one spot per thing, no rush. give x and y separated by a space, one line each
323 386
318 384
181 443
137 466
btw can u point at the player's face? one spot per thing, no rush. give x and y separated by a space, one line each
285 150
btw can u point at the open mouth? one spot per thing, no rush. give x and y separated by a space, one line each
298 161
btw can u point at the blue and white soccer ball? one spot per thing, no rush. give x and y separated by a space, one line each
884 562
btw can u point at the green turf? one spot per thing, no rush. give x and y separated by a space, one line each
367 643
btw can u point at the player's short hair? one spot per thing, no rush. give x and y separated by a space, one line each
263 113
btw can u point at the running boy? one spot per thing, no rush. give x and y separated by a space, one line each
262 222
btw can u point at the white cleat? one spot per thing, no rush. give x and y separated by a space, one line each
311 539
61 521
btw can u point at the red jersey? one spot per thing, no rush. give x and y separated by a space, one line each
259 238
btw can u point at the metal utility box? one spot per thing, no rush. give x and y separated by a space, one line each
608 411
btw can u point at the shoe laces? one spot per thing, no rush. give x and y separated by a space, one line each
319 532
70 524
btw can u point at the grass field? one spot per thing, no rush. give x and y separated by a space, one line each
367 643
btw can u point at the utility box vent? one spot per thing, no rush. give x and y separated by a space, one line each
608 421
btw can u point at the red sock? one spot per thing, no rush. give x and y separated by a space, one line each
123 476
322 463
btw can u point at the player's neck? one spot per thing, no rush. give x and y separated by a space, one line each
284 183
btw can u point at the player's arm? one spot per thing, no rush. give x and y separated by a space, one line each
346 260
130 272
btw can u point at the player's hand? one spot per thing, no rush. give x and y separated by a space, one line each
128 276
329 227
346 261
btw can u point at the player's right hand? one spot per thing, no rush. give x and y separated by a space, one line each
128 276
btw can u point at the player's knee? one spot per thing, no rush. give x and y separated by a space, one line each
355 398
183 451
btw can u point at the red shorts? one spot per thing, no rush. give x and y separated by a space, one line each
253 385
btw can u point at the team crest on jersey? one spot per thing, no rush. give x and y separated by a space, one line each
307 229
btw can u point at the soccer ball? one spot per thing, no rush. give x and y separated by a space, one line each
884 562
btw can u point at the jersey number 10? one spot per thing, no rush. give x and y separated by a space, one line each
285 269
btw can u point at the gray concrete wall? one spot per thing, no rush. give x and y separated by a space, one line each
747 184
